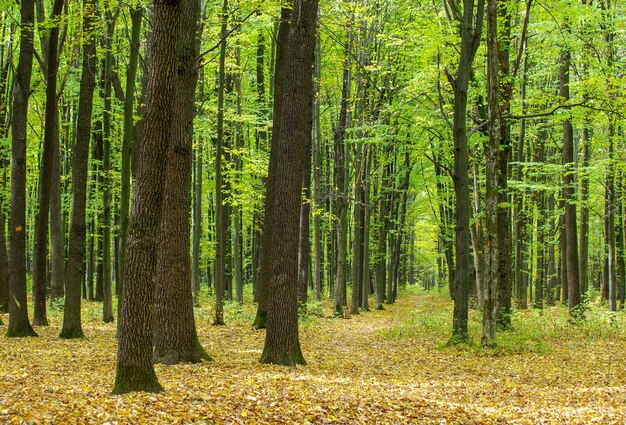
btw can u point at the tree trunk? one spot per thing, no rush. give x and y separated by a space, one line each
317 175
341 183
267 243
176 339
128 142
219 269
57 231
72 327
107 293
4 265
365 291
571 244
236 208
51 132
18 310
282 345
135 371
470 29
304 246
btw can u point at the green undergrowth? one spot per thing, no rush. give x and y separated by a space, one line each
532 331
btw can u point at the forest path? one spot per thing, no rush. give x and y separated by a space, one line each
376 367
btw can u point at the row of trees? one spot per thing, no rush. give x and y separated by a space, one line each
159 148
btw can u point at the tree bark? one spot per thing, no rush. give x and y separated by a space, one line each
571 244
72 327
128 146
219 269
176 339
282 345
470 29
135 371
19 325
51 129
267 243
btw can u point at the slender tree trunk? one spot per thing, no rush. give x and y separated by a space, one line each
304 246
40 251
317 175
282 345
18 310
236 209
571 244
57 231
219 268
135 371
128 142
357 232
341 183
470 30
492 167
72 327
366 233
4 265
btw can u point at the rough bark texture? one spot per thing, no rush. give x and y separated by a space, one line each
72 327
176 339
265 250
18 309
135 371
282 345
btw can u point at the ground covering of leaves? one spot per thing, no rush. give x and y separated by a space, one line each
387 366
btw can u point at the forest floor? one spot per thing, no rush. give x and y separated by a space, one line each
388 366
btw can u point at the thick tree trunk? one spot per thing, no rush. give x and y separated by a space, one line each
135 371
176 339
267 243
282 345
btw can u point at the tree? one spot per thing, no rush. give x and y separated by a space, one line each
282 345
40 252
19 325
135 371
72 327
267 243
470 28
176 339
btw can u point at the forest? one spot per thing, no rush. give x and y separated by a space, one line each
312 211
